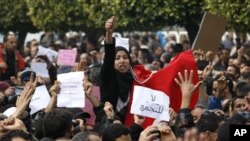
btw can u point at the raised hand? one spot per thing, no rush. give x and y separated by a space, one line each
88 86
108 108
109 26
187 87
24 99
150 133
13 124
139 120
55 89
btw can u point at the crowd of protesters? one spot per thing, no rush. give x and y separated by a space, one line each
224 89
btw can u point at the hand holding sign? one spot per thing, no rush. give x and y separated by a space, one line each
55 89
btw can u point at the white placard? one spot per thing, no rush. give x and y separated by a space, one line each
51 54
122 42
40 99
150 103
71 92
40 69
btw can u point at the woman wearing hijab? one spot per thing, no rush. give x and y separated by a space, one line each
116 78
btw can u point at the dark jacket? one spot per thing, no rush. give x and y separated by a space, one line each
113 84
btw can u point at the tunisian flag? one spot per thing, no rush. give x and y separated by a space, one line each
163 80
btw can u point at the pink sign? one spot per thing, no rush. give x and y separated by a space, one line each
66 57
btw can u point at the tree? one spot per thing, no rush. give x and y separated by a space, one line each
147 14
131 15
57 15
235 11
14 18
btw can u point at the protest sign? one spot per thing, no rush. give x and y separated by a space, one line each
51 54
209 35
66 57
40 69
40 99
71 92
150 103
122 42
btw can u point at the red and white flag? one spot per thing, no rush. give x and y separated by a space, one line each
163 80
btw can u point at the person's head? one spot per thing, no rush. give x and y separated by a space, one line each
86 136
122 60
224 132
234 71
58 124
186 45
16 135
144 56
25 76
197 112
84 58
33 51
10 42
116 132
239 103
208 125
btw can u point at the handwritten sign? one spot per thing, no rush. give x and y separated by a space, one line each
40 99
40 69
210 32
71 93
51 54
122 42
150 103
66 57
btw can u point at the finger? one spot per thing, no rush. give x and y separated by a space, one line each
31 77
197 85
191 76
185 75
35 81
177 81
180 77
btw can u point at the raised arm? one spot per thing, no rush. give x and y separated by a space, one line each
107 70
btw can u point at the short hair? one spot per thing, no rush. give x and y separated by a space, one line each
114 131
57 123
223 132
204 123
15 133
234 99
83 136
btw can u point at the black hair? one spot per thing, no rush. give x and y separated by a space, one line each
146 55
244 90
234 99
119 48
204 123
57 123
177 48
114 131
84 136
15 133
223 132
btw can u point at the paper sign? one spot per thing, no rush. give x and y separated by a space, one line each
51 54
210 32
71 92
40 69
150 103
40 99
122 42
66 57
89 106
